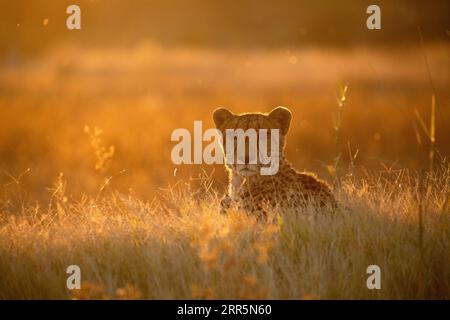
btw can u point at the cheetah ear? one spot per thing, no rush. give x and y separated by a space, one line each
283 116
221 115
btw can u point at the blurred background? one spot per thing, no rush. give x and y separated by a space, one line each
138 69
219 23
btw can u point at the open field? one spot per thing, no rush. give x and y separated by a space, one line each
179 247
111 201
138 96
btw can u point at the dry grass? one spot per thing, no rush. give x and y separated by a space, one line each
107 213
178 246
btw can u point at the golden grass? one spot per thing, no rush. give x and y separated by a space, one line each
72 193
178 246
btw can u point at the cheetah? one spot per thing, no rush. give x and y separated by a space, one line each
254 193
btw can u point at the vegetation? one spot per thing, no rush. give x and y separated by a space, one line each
72 193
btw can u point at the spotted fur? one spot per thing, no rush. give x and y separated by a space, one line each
256 193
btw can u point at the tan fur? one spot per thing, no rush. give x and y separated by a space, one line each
287 189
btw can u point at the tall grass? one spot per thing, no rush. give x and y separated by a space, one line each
341 100
178 246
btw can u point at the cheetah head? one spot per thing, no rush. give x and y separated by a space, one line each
279 118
